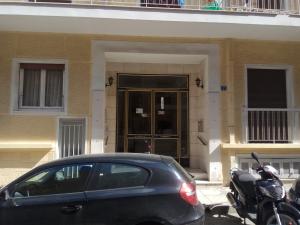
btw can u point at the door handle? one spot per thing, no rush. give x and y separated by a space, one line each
71 209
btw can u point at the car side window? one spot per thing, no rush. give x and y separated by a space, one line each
55 180
117 175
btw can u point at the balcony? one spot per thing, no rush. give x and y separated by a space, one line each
274 7
271 126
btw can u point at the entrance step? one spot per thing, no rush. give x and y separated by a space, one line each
198 174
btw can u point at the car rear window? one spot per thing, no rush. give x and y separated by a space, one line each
118 175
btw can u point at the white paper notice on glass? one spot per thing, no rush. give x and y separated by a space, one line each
139 110
162 103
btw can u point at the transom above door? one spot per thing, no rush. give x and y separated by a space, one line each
153 119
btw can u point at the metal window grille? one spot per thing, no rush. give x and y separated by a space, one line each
288 167
71 137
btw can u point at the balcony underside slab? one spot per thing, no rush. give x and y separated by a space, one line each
130 21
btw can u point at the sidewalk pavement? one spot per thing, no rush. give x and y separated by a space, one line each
216 194
211 195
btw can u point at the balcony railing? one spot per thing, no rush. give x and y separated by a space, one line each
291 7
271 125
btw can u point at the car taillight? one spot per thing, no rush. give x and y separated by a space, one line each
188 193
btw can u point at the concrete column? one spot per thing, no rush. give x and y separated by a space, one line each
98 99
213 114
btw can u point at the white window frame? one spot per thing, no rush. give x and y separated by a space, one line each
17 85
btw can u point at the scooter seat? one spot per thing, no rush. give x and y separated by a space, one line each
246 182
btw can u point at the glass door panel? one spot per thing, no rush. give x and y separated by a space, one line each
139 113
142 145
153 120
165 146
166 107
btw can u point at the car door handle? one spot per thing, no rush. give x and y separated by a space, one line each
71 209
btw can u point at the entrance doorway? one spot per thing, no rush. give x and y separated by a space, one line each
153 115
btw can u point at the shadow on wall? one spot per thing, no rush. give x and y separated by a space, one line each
22 159
13 164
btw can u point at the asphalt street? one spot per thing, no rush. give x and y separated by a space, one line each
223 220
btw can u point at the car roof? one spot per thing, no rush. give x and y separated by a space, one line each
108 156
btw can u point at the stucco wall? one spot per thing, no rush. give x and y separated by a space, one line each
234 55
42 129
14 163
237 54
264 53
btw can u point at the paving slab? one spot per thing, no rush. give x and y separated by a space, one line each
216 195
209 195
212 194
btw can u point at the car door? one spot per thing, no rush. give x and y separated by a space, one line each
115 194
54 196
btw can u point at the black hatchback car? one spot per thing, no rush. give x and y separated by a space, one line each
107 189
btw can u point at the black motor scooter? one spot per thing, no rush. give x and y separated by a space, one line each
261 200
294 194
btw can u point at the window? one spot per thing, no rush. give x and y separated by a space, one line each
270 4
267 99
115 175
152 81
40 87
57 180
288 167
71 137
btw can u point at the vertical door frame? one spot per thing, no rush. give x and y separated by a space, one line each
178 118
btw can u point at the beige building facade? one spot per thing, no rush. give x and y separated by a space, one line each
194 97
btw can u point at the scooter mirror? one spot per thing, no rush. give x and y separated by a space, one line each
255 156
